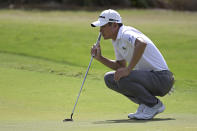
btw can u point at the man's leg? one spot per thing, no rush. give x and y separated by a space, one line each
131 87
141 86
110 82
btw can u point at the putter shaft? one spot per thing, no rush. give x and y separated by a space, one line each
97 42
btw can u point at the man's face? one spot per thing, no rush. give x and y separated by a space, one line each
107 31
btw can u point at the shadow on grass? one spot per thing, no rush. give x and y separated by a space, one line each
132 121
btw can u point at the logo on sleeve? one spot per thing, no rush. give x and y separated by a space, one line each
130 39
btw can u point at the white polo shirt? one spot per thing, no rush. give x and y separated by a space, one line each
151 59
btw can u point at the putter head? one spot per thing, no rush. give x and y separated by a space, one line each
71 118
66 120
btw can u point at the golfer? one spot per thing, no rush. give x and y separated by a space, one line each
140 71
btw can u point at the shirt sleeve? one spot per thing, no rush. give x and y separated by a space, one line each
130 37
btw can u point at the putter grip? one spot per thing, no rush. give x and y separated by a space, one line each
97 42
99 38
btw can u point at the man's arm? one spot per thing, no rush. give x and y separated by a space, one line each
113 64
140 46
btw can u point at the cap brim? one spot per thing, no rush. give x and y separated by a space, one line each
98 23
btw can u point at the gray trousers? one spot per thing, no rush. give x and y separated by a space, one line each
142 87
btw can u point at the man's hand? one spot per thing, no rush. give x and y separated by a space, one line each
121 72
96 51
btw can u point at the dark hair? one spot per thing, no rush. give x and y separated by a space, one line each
119 24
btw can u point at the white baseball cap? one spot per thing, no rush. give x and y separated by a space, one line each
107 16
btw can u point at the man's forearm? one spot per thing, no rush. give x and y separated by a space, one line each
110 63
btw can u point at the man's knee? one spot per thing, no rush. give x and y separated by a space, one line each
109 76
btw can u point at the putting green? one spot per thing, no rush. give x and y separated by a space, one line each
41 100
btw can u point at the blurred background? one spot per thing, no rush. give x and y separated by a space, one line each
190 5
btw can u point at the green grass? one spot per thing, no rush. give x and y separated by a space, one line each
44 56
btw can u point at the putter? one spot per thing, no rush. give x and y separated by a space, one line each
71 117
